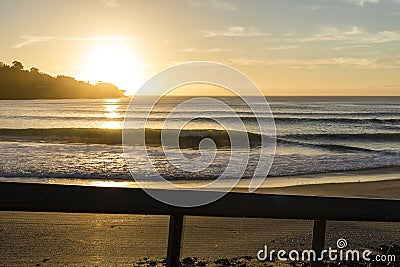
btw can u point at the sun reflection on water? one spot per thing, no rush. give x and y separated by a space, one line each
111 107
111 125
112 184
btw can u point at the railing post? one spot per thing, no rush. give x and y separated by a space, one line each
174 240
318 240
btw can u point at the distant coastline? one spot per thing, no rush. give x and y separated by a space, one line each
16 83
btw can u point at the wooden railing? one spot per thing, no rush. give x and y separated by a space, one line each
89 199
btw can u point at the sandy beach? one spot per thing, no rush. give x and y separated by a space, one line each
60 239
375 183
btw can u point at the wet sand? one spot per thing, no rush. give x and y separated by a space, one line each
59 239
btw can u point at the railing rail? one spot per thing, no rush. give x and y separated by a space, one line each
89 199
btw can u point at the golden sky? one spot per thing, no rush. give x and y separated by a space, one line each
337 47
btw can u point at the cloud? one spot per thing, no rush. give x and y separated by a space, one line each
299 63
213 50
283 47
393 62
236 31
333 34
380 37
216 4
362 2
223 5
351 46
29 39
110 3
368 63
288 34
354 35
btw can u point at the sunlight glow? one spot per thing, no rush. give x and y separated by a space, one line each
111 125
116 63
111 111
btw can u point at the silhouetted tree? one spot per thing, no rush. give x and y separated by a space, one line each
34 70
17 65
17 83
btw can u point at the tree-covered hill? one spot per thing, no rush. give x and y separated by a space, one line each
17 83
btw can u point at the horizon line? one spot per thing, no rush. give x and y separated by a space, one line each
271 95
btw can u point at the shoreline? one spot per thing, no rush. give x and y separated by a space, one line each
373 183
369 183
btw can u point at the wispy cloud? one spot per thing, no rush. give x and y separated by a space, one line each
283 47
236 31
354 35
212 50
310 8
333 34
29 39
392 62
351 46
216 4
110 3
369 63
288 34
223 4
363 2
315 8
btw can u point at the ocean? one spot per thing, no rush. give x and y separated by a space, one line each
78 140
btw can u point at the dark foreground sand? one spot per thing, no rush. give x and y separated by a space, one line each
59 239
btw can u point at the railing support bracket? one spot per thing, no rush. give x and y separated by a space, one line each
318 240
174 240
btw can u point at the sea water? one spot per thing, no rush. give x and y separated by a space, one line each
81 139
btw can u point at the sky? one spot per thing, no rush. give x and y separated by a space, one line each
287 47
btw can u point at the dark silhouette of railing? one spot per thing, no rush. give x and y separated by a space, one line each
89 199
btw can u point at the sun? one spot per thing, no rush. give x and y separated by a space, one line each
114 63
